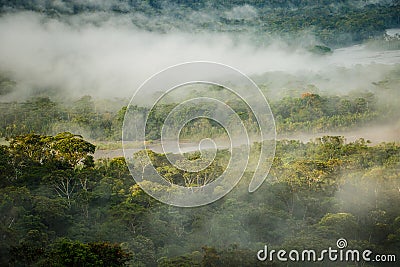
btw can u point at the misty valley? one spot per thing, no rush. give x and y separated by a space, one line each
329 71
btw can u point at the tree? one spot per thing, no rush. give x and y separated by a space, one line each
331 147
64 183
343 224
74 253
84 110
6 168
143 251
14 205
72 150
30 249
211 257
63 161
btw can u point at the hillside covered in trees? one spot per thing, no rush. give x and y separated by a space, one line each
329 70
335 23
57 203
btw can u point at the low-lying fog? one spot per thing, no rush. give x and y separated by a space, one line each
111 58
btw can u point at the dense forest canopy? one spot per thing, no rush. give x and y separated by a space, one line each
52 193
335 23
296 113
331 75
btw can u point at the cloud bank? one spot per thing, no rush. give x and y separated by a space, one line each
108 56
114 57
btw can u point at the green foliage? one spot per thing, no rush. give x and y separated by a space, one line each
307 112
6 85
5 166
63 151
335 23
315 113
344 224
318 192
58 207
74 253
320 50
41 115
